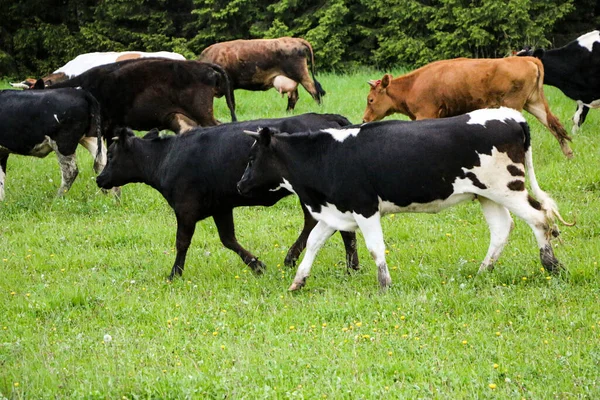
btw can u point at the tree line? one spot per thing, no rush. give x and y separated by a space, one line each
38 36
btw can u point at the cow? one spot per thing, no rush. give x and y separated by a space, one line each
84 62
197 174
155 93
452 87
35 123
349 177
260 64
575 70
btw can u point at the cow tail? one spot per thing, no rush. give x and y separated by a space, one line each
320 91
96 130
226 88
547 203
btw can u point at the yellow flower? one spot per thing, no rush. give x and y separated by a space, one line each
464 342
497 333
215 333
402 317
292 328
16 384
492 386
495 366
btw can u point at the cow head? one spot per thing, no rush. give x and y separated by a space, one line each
264 170
121 167
530 52
379 103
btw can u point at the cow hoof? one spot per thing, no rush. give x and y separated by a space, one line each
290 261
257 266
297 285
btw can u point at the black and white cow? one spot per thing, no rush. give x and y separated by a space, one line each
575 70
197 174
349 177
37 122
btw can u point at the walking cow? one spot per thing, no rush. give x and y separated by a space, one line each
197 174
575 70
35 123
453 87
349 177
260 64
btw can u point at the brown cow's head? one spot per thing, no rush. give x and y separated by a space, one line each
379 103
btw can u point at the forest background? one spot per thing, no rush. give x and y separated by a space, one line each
38 36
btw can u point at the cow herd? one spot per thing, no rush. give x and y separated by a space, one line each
468 140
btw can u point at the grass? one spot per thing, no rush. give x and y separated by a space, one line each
86 310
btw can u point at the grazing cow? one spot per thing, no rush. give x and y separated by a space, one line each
453 87
197 174
260 64
156 93
84 62
349 177
34 123
575 70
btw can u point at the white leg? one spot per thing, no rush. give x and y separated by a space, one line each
373 234
577 117
2 178
500 224
317 237
91 144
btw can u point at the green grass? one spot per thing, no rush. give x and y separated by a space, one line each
77 268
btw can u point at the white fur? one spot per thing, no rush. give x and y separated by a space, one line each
482 116
342 134
83 62
341 221
2 178
589 39
285 185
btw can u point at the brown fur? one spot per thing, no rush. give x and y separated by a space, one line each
254 64
452 87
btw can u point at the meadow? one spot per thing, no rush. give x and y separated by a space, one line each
86 310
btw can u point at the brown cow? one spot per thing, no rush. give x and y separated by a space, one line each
155 93
255 65
452 87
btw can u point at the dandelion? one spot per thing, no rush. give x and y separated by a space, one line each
402 317
215 333
107 338
492 386
237 277
292 327
222 347
464 342
390 353
13 293
358 324
16 384
324 324
497 333
495 366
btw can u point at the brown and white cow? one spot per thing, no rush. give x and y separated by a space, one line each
84 62
452 87
260 64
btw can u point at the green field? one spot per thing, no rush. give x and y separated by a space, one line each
86 310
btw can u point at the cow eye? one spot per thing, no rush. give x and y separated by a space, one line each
371 100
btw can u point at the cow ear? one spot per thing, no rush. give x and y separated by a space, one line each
39 84
385 81
152 134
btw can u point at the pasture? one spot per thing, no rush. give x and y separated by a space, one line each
86 310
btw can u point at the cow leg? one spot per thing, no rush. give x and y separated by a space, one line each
536 216
3 160
579 117
296 249
185 232
226 228
500 224
68 167
373 234
180 123
91 145
318 236
541 111
293 97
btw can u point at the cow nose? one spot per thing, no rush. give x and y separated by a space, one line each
239 188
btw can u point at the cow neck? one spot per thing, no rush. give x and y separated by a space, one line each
305 161
398 90
151 156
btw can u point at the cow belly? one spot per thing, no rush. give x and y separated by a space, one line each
329 214
387 207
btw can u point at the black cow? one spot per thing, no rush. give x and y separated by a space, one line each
349 177
575 70
197 174
34 123
151 93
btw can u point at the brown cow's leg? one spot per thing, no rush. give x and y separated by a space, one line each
296 249
226 228
538 107
292 100
185 231
180 123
